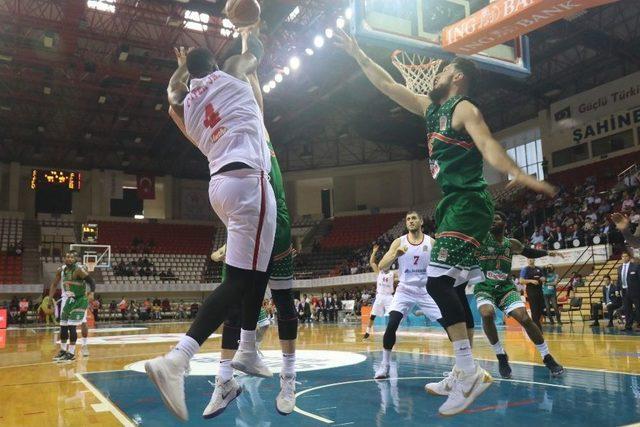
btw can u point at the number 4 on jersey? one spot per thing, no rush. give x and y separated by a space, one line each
212 118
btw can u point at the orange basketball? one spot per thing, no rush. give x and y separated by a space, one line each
242 13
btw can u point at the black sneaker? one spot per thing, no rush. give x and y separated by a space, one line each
366 336
555 368
503 365
60 355
68 357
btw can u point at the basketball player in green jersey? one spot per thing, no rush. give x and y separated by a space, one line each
458 140
75 300
498 291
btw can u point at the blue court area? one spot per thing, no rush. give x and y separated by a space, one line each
348 395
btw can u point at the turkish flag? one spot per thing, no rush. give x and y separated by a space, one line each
146 187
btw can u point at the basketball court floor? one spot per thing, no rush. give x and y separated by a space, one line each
335 374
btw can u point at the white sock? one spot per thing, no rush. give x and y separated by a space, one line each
247 340
368 329
225 371
543 349
497 348
84 341
63 346
72 348
386 357
184 351
288 365
464 357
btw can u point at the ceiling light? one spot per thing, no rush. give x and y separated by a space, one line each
145 78
272 84
348 13
102 99
318 41
266 88
294 63
328 33
278 78
136 216
158 107
340 22
47 90
137 140
6 58
47 40
286 71
308 51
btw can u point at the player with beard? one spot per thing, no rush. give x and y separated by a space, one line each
498 291
458 140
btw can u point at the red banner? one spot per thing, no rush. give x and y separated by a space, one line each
146 187
3 318
505 20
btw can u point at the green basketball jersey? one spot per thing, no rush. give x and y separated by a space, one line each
276 178
454 160
70 284
495 260
262 316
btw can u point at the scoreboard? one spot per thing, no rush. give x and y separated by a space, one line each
89 233
47 178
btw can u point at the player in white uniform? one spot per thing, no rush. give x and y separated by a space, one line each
223 119
384 292
413 251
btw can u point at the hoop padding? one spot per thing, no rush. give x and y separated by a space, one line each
418 71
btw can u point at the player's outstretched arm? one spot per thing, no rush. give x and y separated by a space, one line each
392 254
240 66
178 89
622 223
382 80
470 117
372 259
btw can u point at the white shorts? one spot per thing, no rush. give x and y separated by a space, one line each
406 297
244 201
382 304
71 322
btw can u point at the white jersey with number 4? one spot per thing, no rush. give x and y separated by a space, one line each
384 283
412 266
222 117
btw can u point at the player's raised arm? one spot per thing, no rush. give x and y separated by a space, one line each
381 79
240 66
178 89
372 259
392 254
470 117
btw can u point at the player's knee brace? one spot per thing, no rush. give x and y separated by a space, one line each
462 296
389 339
73 334
287 316
64 334
445 295
231 329
372 317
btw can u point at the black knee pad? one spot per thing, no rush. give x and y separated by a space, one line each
64 334
372 317
462 296
389 339
446 297
287 316
73 334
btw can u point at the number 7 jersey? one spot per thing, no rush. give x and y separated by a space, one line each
412 266
222 117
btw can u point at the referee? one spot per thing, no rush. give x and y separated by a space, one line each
534 277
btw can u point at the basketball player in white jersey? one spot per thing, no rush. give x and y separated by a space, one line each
413 251
384 292
223 119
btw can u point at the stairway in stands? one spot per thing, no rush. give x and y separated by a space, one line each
31 266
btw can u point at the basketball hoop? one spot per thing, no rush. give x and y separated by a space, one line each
90 261
419 72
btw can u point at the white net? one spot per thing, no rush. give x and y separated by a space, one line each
90 261
419 72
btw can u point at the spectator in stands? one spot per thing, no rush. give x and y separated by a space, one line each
576 280
113 307
325 306
172 277
533 277
181 310
307 309
549 293
611 298
537 238
46 308
24 309
627 202
123 307
166 305
194 310
556 236
157 310
144 310
332 308
95 307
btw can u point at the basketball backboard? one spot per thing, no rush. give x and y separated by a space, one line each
416 26
93 256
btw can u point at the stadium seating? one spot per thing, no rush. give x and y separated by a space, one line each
356 231
188 268
10 239
10 269
167 238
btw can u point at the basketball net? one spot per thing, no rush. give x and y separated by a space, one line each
90 261
419 72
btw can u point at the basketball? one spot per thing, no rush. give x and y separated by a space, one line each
243 13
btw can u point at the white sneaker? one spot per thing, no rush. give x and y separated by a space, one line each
251 364
443 387
466 388
85 351
286 399
223 394
382 372
168 377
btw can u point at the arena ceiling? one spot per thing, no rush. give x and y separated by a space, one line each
85 88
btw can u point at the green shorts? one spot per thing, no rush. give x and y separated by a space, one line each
74 311
463 220
502 295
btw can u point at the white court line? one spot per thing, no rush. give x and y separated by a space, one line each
120 416
328 421
520 363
